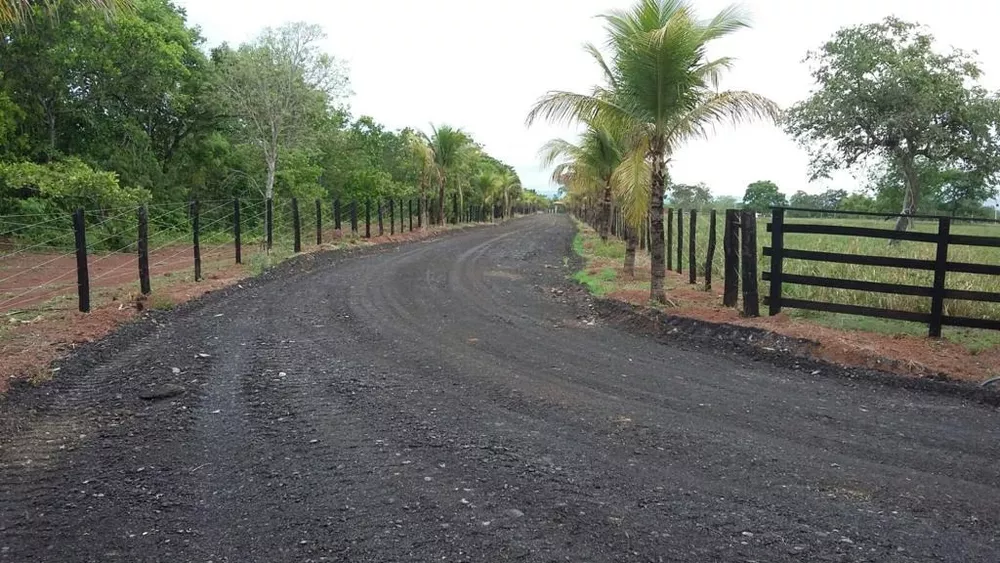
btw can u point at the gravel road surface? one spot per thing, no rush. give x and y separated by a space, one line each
455 400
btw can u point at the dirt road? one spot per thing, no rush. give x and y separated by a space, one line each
440 401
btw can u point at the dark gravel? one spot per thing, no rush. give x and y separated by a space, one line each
456 400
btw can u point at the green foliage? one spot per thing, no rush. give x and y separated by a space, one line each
886 93
761 196
690 197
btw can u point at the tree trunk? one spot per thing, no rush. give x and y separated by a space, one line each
911 193
606 214
631 237
657 258
272 166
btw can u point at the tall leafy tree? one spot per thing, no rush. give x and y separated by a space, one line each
762 196
662 91
885 92
688 196
278 87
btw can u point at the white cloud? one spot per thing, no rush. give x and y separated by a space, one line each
480 65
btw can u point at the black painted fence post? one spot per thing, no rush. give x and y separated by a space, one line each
143 251
392 217
777 251
196 232
297 225
420 214
82 275
336 215
692 254
731 251
354 217
680 241
319 222
368 218
454 209
409 208
940 271
270 223
237 235
670 238
748 234
381 216
710 259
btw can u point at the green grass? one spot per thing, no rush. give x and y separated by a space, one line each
261 262
588 245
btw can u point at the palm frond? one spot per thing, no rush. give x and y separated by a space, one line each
733 107
631 184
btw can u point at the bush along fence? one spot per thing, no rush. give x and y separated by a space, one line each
46 260
943 271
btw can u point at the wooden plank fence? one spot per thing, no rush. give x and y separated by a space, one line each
937 292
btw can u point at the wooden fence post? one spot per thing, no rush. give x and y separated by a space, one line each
319 222
409 208
269 220
196 228
731 251
692 254
354 217
381 227
751 297
296 226
336 214
680 241
368 218
710 260
420 213
670 239
392 217
454 205
940 270
82 274
237 235
777 251
143 250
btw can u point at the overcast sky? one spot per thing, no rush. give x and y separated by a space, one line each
481 64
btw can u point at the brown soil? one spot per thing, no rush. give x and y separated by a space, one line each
900 354
44 325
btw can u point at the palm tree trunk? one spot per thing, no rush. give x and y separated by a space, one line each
630 243
606 214
657 258
440 209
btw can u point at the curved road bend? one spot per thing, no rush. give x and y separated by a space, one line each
439 402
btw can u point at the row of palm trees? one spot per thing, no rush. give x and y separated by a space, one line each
660 90
448 154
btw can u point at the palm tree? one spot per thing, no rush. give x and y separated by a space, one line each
423 156
18 12
596 166
509 182
447 144
662 91
593 159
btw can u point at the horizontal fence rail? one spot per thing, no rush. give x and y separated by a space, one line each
941 266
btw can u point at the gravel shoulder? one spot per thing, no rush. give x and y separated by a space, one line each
457 400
